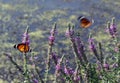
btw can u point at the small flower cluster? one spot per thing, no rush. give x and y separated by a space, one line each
25 38
52 36
112 29
69 31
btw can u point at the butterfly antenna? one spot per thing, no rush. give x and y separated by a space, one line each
80 17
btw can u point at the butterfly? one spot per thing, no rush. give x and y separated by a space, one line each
22 47
85 22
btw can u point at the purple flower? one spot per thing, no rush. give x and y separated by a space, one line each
113 26
25 38
53 31
80 49
69 31
91 44
115 65
68 70
54 57
93 48
80 46
76 76
112 29
51 40
106 66
58 66
35 81
52 36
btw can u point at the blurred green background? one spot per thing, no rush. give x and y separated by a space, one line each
40 16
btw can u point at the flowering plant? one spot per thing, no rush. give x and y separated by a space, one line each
84 71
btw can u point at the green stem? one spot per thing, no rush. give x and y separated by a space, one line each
26 73
48 63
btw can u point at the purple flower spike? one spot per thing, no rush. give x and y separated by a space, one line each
80 49
53 31
51 40
91 44
58 66
80 45
54 57
69 31
113 26
93 48
25 38
52 36
68 71
112 29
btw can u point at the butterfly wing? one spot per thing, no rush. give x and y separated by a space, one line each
22 47
85 23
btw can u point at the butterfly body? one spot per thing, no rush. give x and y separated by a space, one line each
22 47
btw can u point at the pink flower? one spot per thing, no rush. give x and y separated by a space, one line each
106 66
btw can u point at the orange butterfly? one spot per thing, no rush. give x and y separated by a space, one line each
84 22
22 47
